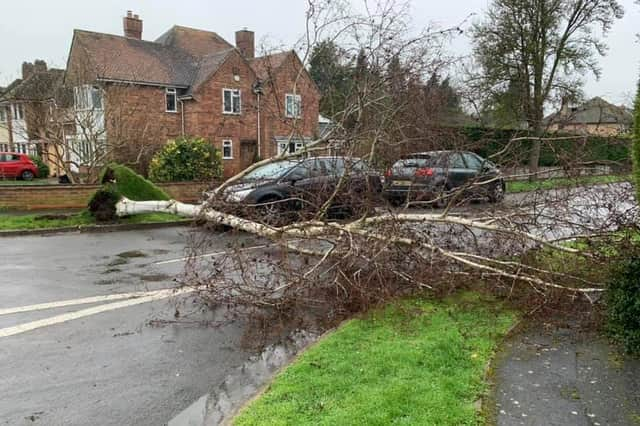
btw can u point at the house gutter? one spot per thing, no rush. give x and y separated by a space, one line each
181 116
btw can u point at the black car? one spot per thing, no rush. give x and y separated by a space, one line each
306 184
433 176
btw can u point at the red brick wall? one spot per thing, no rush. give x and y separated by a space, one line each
137 123
42 197
204 115
288 79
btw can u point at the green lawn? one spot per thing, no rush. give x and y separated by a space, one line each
525 186
39 221
415 362
34 182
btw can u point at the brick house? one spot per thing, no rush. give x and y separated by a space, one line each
190 82
25 107
594 117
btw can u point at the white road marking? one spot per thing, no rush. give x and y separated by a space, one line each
156 295
73 302
219 253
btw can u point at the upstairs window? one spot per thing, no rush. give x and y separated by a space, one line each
17 112
231 101
3 115
171 99
87 97
293 105
227 149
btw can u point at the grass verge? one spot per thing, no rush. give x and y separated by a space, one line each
35 221
415 362
553 183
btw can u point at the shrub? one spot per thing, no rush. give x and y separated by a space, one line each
623 304
186 159
120 181
102 204
43 169
130 184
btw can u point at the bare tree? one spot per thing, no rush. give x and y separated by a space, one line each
315 265
529 52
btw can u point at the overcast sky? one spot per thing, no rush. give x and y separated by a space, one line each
34 29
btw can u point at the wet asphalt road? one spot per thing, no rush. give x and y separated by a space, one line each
111 368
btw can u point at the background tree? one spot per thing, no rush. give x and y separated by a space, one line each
533 49
636 143
330 68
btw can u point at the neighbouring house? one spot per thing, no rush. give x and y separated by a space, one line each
132 95
26 108
594 117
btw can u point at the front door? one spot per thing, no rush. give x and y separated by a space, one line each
248 153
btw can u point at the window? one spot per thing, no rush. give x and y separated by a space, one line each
231 101
87 97
290 147
473 161
171 100
17 112
3 114
293 105
457 162
227 149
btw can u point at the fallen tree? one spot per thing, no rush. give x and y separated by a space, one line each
321 267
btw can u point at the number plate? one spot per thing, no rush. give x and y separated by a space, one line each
401 183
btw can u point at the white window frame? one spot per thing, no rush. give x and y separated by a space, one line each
84 100
286 147
227 143
17 112
296 105
171 91
235 94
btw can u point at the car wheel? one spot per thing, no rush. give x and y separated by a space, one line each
397 201
496 192
26 175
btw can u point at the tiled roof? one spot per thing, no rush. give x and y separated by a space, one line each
39 86
181 57
207 66
265 65
595 111
125 59
195 42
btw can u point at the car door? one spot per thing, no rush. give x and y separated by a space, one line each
307 180
11 165
458 172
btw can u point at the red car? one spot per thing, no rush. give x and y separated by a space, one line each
15 165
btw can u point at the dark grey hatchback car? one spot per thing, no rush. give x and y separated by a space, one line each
433 176
306 184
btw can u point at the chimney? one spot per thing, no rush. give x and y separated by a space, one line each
132 26
40 66
27 70
245 43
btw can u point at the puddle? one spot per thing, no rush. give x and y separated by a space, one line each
118 262
131 254
153 277
221 404
105 282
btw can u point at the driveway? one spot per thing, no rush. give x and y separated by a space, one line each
121 359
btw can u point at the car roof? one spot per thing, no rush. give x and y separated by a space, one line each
12 153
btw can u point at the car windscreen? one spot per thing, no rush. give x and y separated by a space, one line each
271 171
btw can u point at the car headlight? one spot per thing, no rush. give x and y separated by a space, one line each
237 196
